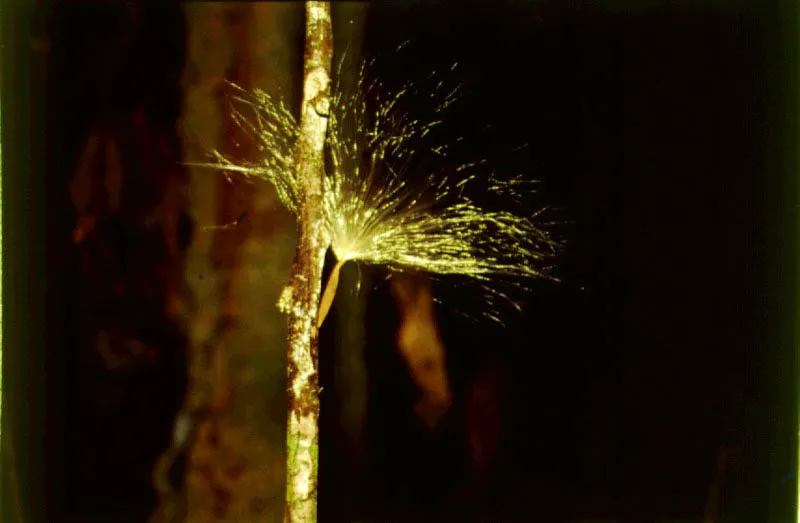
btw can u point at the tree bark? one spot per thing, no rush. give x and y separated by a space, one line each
300 299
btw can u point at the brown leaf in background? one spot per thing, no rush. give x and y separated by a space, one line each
126 232
421 345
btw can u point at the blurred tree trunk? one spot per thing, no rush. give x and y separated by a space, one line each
236 461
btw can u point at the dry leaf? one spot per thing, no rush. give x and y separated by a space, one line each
421 345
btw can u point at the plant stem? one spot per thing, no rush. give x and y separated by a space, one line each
300 299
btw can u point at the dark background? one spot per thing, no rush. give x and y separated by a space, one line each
667 137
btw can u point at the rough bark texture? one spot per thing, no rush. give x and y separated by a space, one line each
301 297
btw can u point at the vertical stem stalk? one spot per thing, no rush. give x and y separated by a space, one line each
300 299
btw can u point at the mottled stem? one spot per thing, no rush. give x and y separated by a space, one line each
300 299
